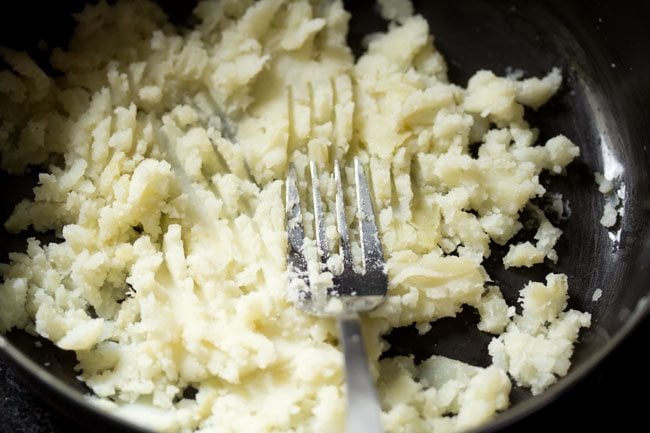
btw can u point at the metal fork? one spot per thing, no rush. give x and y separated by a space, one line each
357 291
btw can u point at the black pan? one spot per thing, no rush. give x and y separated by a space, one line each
602 48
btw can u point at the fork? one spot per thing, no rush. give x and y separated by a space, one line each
354 291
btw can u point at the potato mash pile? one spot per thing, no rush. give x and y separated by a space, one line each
163 154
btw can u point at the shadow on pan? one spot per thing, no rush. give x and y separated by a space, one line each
602 49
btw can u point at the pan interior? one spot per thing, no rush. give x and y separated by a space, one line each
599 107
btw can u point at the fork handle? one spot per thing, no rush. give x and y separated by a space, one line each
364 413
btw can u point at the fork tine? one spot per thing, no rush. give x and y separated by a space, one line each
295 231
373 256
342 225
319 215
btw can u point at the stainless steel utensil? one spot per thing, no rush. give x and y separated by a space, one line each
353 291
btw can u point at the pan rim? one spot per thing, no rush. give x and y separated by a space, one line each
28 366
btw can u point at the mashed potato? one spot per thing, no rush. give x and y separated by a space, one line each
163 154
613 206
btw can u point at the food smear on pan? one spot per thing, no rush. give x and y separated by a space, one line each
162 153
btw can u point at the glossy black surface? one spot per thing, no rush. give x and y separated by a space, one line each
602 48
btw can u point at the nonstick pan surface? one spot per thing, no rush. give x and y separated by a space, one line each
602 48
